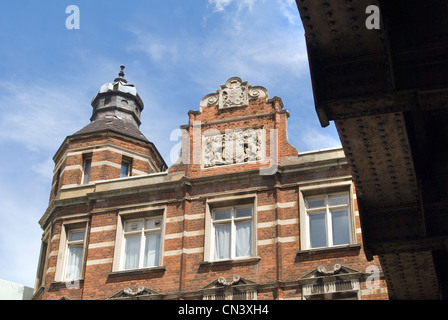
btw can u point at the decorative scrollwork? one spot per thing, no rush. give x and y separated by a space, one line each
140 291
224 282
323 271
235 93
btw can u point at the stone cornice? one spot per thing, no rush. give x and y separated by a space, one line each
100 190
238 119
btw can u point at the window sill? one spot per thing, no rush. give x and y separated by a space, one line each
68 283
137 271
346 248
229 261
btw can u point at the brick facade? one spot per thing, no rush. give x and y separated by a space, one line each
275 187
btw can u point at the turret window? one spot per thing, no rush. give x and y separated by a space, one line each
74 256
71 261
86 169
126 167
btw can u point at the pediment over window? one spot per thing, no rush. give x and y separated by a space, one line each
340 282
237 288
141 293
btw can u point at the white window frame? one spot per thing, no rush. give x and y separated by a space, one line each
328 217
75 243
325 188
142 234
232 221
126 162
84 161
67 228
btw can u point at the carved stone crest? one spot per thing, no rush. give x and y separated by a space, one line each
235 93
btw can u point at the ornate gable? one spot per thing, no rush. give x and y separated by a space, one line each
235 93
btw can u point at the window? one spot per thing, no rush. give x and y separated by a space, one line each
141 243
232 229
126 165
234 294
42 266
74 254
72 250
86 169
328 220
56 184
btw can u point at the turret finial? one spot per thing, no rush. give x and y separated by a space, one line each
121 75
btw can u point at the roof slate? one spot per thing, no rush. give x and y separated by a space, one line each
115 125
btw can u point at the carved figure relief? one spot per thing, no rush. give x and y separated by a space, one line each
233 147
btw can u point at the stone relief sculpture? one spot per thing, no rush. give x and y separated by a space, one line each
239 146
228 148
233 147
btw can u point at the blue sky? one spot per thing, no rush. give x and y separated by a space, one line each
175 53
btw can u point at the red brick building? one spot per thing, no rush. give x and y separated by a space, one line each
240 215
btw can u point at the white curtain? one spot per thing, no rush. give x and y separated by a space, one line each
132 252
341 228
152 247
222 241
318 230
244 239
73 269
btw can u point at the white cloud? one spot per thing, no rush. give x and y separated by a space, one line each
263 53
221 5
19 234
158 48
310 138
37 116
288 8
44 170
